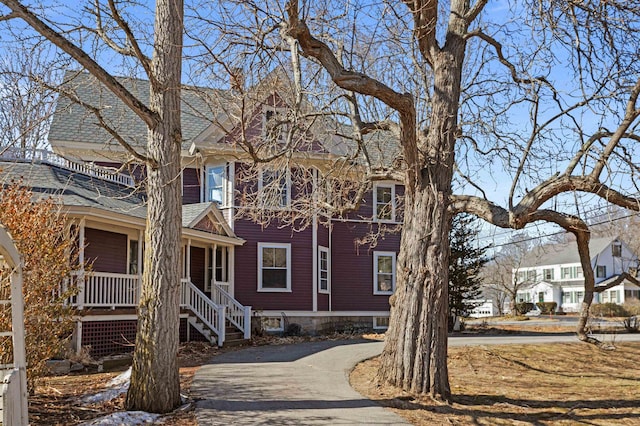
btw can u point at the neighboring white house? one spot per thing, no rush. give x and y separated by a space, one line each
553 273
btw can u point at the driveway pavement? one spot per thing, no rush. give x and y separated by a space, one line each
307 383
301 384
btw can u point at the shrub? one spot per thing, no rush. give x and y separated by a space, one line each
547 307
632 307
524 307
47 246
608 310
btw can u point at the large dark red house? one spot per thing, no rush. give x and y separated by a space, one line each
236 266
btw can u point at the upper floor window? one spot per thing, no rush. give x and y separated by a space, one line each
274 187
531 275
384 272
547 274
616 249
601 271
384 202
571 272
217 178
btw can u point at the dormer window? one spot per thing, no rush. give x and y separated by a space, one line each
275 125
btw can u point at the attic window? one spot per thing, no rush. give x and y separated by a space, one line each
616 249
275 126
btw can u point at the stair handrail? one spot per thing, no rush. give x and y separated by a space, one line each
237 314
204 309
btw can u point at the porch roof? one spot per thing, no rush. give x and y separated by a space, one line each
78 191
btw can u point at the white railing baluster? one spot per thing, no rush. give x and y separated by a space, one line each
238 314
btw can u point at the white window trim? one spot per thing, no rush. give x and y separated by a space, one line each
379 327
376 255
322 249
286 246
392 186
287 183
225 182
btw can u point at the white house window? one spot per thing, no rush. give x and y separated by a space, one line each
531 275
275 187
616 249
384 202
601 271
215 184
380 323
274 267
384 272
614 296
520 276
323 269
571 272
548 274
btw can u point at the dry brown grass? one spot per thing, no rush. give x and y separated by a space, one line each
550 384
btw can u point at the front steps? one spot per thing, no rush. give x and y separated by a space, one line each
233 336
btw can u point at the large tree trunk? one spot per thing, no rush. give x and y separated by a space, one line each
415 353
155 384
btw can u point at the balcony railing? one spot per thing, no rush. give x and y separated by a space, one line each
48 157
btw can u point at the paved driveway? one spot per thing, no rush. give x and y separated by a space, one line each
307 383
301 384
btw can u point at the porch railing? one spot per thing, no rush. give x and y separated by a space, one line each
211 314
107 290
237 314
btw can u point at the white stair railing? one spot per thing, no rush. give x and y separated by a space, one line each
237 314
209 313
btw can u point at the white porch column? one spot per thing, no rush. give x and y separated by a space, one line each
214 264
81 244
187 260
231 262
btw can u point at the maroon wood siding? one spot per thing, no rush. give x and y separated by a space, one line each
323 240
246 267
190 186
106 251
352 268
198 266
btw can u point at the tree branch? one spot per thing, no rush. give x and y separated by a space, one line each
139 108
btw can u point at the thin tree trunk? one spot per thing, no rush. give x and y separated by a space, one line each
155 384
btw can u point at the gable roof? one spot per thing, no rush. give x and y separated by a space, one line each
193 214
555 254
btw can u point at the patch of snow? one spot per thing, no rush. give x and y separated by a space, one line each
124 418
121 379
116 387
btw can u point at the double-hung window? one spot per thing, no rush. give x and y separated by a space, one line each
601 271
274 267
384 208
384 272
216 181
274 187
323 270
548 274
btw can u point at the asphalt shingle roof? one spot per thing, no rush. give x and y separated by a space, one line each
556 254
75 189
73 123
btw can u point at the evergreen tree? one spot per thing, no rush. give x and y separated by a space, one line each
465 262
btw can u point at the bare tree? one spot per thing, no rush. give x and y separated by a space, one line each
474 95
155 383
25 104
